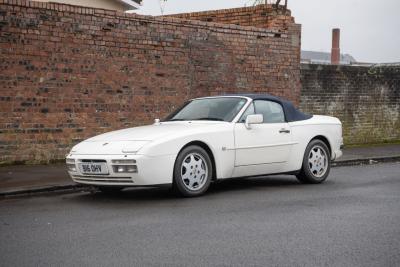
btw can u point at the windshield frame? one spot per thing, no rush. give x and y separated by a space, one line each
235 117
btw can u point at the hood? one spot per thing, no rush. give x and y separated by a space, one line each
144 133
107 148
133 139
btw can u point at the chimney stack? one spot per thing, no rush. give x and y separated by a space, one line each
335 54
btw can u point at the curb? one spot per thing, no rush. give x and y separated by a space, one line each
76 187
46 189
366 161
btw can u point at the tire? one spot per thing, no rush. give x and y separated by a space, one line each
192 172
109 190
316 163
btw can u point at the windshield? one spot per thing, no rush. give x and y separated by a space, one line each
217 109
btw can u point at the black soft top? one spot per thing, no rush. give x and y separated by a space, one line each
291 113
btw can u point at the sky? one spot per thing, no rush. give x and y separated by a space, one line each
370 29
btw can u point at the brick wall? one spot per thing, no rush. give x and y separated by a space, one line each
278 20
68 72
366 99
262 16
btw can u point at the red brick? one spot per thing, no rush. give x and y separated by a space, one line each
69 79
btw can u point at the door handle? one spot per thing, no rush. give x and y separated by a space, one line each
284 131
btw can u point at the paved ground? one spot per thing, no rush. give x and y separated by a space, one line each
24 177
351 220
376 151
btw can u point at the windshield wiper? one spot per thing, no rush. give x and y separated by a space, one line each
208 119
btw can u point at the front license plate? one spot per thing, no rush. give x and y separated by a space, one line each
93 168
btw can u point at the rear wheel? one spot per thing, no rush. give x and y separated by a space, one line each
316 163
192 172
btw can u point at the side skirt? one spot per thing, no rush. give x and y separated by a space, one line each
262 175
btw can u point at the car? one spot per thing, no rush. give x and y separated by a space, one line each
210 139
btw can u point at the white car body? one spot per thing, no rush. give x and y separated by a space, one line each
236 150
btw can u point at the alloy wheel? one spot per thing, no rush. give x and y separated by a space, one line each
318 161
194 171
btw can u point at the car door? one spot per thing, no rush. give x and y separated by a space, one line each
268 143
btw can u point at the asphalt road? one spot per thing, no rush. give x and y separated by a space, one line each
351 220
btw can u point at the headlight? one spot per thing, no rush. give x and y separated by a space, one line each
133 147
124 166
71 165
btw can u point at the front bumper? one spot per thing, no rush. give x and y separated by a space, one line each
151 171
338 152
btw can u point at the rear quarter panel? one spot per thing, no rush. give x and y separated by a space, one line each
304 131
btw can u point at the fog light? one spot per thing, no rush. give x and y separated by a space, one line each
125 168
71 167
120 168
131 169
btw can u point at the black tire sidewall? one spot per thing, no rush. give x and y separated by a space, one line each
177 180
307 175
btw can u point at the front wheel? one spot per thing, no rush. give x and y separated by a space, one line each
192 172
316 163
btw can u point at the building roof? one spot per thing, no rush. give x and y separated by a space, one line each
120 5
324 57
133 4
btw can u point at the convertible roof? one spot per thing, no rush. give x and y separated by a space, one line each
291 113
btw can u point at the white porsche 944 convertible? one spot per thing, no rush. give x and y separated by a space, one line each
209 139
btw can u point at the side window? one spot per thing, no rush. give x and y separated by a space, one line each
272 111
249 111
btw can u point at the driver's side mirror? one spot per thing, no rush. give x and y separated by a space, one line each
253 119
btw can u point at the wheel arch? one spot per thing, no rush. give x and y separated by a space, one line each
209 152
325 140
